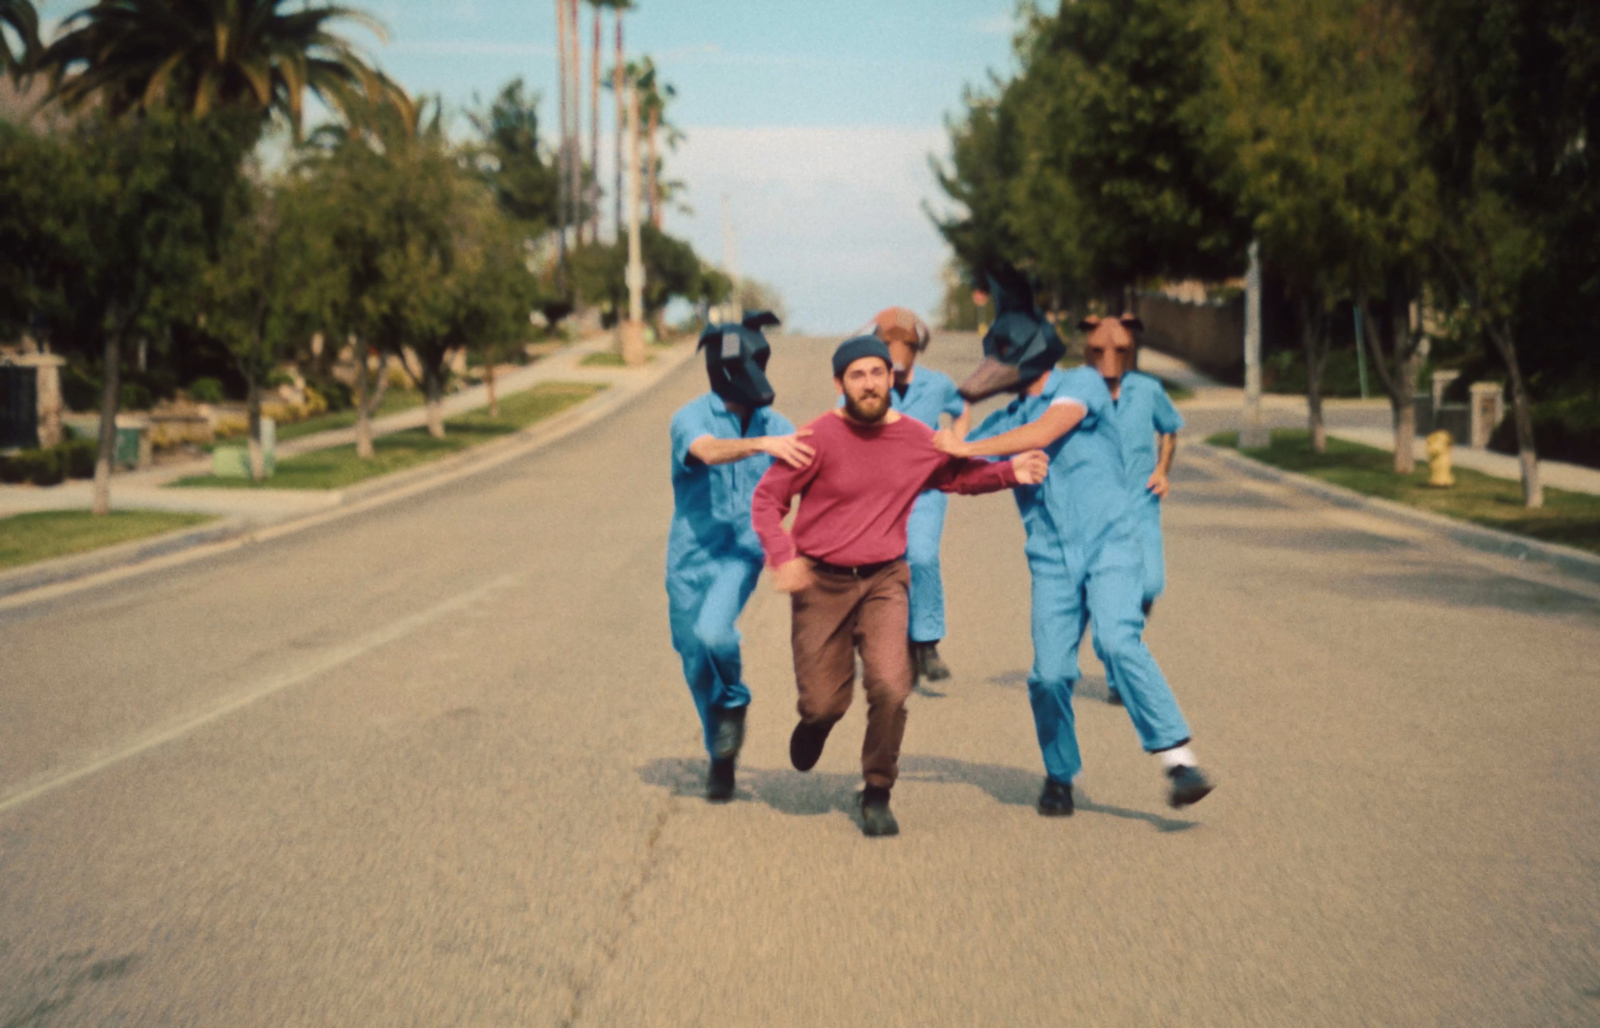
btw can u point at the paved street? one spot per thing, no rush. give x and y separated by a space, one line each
435 764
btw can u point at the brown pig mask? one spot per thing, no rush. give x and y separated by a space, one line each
1110 346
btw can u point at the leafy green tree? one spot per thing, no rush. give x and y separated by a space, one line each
1316 117
983 165
1511 98
514 162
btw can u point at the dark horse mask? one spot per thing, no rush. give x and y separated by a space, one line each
1020 346
736 359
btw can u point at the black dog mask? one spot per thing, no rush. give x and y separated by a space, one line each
736 359
1019 347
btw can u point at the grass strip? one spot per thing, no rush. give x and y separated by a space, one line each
1571 519
41 535
338 467
394 401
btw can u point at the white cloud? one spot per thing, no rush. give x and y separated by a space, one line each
831 216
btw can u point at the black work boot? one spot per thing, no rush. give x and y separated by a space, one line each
728 739
925 661
876 818
719 783
1189 785
805 745
1055 799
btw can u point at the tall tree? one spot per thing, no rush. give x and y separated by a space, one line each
1303 110
619 95
233 64
1511 95
653 97
513 161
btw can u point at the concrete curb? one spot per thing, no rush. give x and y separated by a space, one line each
52 578
1565 559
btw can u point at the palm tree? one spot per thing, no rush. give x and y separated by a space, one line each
209 55
653 97
24 21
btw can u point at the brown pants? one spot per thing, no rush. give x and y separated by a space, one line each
833 618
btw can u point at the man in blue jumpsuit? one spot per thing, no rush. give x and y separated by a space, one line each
1082 544
722 443
923 394
1148 425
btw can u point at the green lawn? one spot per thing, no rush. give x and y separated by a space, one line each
1572 519
25 538
394 401
608 359
339 467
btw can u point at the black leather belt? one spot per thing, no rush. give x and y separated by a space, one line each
859 571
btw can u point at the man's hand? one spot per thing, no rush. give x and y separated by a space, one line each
1030 467
1158 483
789 448
792 576
946 441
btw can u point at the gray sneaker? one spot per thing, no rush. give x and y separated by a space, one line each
1189 785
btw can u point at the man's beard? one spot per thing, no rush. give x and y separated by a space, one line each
869 409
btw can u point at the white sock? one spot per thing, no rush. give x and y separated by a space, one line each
1178 756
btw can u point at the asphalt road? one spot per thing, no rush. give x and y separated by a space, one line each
435 765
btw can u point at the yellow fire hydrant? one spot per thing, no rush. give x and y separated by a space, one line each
1439 475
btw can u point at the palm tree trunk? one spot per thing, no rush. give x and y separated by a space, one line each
655 191
1522 414
617 86
575 132
563 154
110 396
594 127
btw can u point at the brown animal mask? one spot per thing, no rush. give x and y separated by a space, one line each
1110 348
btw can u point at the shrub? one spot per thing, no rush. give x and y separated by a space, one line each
336 394
1564 430
78 456
41 467
135 396
206 390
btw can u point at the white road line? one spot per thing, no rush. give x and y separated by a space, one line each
327 661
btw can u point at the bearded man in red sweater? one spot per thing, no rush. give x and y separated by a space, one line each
843 563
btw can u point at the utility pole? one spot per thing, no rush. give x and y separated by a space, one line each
633 329
1254 434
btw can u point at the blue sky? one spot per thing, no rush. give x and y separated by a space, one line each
814 119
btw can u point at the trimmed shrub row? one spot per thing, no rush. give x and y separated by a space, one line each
74 459
1566 431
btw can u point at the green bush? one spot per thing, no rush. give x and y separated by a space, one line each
206 390
1564 430
338 395
79 389
78 456
135 396
1285 372
41 467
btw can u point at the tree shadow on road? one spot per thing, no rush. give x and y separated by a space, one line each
807 795
37 997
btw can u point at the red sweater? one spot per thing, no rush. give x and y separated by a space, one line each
858 491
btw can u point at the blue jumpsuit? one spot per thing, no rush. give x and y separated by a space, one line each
713 555
929 394
1143 412
1083 552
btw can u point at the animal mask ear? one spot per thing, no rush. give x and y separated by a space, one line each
1089 324
755 321
1132 324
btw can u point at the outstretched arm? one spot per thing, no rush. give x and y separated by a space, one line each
1057 420
708 449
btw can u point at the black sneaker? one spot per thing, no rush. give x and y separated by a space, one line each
925 659
719 783
1055 799
805 745
729 736
876 818
1189 785
1113 697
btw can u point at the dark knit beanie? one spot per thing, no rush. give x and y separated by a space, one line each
852 350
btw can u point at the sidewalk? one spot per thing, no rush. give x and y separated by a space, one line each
144 490
1358 421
